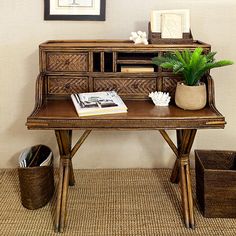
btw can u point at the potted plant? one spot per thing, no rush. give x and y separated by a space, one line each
191 92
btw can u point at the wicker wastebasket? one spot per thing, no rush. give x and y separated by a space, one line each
216 182
37 182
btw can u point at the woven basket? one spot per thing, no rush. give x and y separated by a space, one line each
216 182
36 183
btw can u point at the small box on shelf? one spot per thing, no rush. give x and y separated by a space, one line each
155 38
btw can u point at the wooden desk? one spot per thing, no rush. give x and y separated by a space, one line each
54 109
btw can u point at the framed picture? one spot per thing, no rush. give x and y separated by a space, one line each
158 19
83 10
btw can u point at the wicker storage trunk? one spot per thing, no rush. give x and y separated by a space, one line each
36 182
216 182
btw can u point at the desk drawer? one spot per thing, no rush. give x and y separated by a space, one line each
67 62
126 87
169 85
64 85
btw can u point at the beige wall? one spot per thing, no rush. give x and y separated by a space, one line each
22 29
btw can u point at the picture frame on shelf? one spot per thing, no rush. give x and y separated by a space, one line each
158 16
75 10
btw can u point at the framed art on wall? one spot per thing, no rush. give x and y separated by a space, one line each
83 10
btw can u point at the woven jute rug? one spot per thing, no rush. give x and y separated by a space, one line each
127 202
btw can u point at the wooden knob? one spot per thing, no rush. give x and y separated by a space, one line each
67 62
67 86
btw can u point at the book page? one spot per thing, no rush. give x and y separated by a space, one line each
92 103
171 26
136 69
155 22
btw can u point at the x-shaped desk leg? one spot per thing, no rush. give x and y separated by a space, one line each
185 140
66 174
181 171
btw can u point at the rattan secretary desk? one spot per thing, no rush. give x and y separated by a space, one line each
80 66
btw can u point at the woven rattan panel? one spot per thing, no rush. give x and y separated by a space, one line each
67 62
169 85
67 85
135 87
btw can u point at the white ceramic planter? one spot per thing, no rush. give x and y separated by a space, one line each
190 97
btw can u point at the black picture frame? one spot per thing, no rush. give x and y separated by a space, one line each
64 17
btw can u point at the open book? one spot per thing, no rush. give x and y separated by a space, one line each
98 103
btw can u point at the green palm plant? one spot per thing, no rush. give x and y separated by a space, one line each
191 65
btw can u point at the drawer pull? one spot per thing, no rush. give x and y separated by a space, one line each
67 86
67 62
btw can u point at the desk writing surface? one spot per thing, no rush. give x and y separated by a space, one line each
141 114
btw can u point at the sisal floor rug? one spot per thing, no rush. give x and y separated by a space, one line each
127 202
